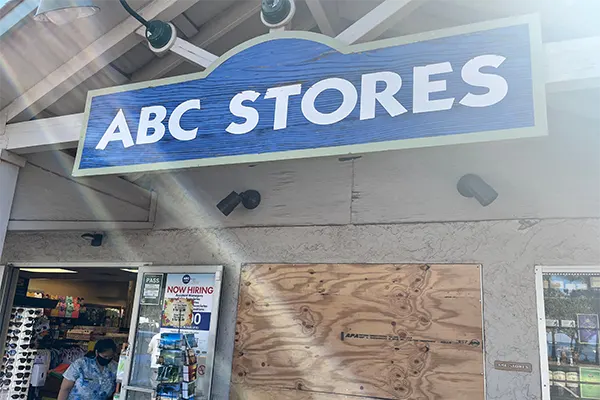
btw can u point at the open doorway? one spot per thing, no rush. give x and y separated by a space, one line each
57 315
163 320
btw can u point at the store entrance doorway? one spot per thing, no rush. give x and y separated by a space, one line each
53 315
162 319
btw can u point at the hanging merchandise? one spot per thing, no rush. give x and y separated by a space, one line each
19 356
67 307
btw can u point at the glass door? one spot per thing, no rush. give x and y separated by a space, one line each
173 333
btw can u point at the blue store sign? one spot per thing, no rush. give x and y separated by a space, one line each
297 94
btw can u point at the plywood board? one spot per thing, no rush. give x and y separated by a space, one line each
384 331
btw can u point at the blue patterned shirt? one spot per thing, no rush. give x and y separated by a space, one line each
90 382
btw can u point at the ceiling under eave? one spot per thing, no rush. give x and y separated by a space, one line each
33 50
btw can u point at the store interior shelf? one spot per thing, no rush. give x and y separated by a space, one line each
24 301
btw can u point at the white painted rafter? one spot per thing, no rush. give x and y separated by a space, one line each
193 53
92 59
320 16
573 64
43 134
115 75
184 25
39 226
378 20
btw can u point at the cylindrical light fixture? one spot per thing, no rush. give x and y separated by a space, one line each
277 13
61 12
472 185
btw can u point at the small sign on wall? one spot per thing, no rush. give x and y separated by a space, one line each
513 366
152 289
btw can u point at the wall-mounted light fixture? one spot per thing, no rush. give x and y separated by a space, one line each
95 239
160 35
277 13
471 185
249 199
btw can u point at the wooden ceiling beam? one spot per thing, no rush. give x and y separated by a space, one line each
320 16
185 26
378 20
92 59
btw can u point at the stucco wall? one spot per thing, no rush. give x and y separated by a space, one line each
508 251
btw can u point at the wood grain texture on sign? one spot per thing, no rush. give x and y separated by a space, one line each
328 331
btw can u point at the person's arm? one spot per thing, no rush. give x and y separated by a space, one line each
112 395
69 377
65 389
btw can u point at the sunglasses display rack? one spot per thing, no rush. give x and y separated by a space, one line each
19 356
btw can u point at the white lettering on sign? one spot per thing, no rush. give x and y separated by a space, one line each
427 80
238 109
497 85
155 123
424 86
369 95
282 97
123 135
349 99
174 121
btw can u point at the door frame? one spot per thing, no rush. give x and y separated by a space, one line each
9 275
217 270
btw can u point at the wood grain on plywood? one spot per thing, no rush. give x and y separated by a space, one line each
386 331
247 392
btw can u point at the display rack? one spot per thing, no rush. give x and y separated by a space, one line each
177 372
19 356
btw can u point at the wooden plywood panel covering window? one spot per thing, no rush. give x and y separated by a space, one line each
338 331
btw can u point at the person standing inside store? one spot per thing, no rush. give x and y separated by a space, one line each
92 377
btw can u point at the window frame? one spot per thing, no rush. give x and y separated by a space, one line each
540 270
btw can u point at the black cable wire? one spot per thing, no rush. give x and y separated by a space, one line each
134 14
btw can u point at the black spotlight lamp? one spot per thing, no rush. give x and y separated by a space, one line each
160 35
277 13
94 238
471 185
250 199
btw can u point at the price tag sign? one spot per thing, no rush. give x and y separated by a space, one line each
152 289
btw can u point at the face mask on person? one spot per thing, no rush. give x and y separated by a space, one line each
103 361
